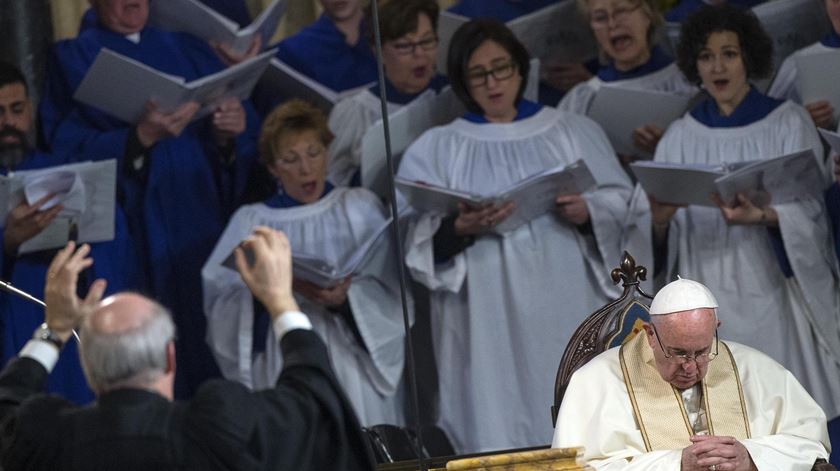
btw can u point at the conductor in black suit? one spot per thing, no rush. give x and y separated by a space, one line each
127 351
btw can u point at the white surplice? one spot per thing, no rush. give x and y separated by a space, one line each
785 84
795 320
787 428
503 309
349 120
371 374
668 79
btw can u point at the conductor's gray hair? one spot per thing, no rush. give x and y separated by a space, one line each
132 358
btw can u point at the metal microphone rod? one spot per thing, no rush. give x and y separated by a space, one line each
395 231
7 287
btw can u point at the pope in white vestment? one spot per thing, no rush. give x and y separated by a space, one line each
504 308
625 413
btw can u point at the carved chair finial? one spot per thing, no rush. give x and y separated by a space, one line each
628 272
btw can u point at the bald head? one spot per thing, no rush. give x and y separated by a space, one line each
126 343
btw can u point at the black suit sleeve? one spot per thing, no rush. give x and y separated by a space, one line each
20 379
304 423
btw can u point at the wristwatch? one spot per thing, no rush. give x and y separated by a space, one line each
44 333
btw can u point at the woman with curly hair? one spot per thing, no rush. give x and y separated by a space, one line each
770 266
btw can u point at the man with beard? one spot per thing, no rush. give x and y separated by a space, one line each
181 177
18 316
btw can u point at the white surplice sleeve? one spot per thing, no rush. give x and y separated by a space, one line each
348 121
580 97
228 304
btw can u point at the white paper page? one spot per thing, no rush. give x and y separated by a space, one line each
778 180
832 138
405 125
536 195
236 81
818 78
95 224
284 82
621 110
792 24
265 25
121 86
66 187
678 184
428 198
193 17
557 33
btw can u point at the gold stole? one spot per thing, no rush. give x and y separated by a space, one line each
658 406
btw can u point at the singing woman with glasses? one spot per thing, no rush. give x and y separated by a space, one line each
503 306
770 262
409 57
626 33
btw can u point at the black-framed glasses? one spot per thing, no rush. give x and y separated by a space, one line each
478 78
405 48
601 19
682 358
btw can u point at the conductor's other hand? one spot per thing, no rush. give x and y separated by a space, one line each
270 276
65 310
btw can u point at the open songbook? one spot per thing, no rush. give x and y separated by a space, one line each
817 78
284 82
532 197
832 138
121 86
196 18
87 192
324 273
778 180
620 111
556 33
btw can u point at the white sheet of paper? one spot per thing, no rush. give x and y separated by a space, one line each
778 180
94 224
66 187
286 83
818 78
556 33
192 16
621 110
405 125
122 86
676 183
832 138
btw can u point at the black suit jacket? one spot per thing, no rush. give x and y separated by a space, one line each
304 423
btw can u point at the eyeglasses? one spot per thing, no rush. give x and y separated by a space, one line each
478 78
601 19
405 48
696 357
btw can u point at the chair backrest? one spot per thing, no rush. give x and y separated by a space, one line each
608 327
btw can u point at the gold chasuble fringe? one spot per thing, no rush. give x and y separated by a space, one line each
658 406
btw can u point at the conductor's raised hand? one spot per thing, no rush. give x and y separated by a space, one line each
572 208
156 124
26 221
65 310
473 220
270 276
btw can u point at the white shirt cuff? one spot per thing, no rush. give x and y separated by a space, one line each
289 321
41 351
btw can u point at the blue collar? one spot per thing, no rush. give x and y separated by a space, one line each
754 107
283 201
658 61
397 97
831 39
525 109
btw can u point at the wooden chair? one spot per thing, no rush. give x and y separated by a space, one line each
607 327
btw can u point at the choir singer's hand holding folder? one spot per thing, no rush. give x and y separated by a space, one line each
818 78
326 273
192 16
777 180
87 192
122 86
532 197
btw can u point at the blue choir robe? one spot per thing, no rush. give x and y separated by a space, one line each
503 10
113 260
179 203
235 10
320 52
679 13
832 202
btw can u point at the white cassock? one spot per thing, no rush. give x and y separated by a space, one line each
349 120
668 79
787 428
503 309
795 320
785 84
371 374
